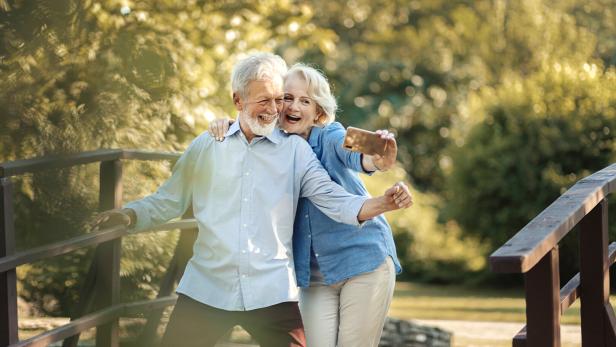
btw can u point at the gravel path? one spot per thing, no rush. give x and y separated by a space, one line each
466 333
494 334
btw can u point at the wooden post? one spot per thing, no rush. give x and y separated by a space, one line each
542 285
8 279
595 278
108 262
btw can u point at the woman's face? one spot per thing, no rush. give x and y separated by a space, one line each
299 112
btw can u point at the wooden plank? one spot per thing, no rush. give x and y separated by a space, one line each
139 307
610 331
519 340
182 224
94 319
61 247
74 327
540 235
8 279
18 167
81 241
594 276
108 261
542 287
150 155
570 292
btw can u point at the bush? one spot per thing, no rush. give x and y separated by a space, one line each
428 250
536 137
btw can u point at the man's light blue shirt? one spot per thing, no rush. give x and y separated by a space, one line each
244 197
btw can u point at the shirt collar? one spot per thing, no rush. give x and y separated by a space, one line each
235 127
313 138
274 137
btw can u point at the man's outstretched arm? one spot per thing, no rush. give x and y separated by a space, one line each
396 197
337 203
170 200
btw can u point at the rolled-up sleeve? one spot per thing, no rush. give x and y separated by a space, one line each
173 197
325 194
334 141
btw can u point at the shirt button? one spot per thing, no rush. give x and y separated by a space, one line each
309 236
243 276
316 254
306 216
247 173
245 225
245 199
243 251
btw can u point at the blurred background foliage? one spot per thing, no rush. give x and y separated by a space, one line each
499 106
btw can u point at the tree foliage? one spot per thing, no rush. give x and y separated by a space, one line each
498 106
540 135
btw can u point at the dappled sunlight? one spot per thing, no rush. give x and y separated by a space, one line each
499 108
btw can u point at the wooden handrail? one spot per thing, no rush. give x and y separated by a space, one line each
59 248
81 241
20 167
104 269
524 250
570 291
135 154
568 295
533 251
95 319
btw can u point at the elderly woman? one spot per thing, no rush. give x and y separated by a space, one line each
346 273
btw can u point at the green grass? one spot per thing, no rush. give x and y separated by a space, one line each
420 301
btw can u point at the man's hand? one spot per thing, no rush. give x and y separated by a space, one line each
219 127
112 218
397 197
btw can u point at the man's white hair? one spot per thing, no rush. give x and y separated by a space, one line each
257 66
318 90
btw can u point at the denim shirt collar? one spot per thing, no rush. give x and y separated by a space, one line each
313 138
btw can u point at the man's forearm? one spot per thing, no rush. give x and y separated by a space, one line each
372 208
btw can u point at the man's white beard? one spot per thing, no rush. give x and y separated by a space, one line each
257 128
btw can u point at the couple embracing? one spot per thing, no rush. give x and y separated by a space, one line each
282 216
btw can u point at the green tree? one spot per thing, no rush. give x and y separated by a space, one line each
412 65
540 135
83 75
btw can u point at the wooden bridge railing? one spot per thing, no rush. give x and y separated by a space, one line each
99 303
533 251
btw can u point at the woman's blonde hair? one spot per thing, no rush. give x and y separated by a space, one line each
318 90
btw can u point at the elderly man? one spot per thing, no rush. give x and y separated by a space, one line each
244 193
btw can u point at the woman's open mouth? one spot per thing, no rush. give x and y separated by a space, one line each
292 119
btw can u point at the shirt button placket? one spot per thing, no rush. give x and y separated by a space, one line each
244 235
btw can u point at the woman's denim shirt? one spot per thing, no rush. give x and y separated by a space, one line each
341 251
